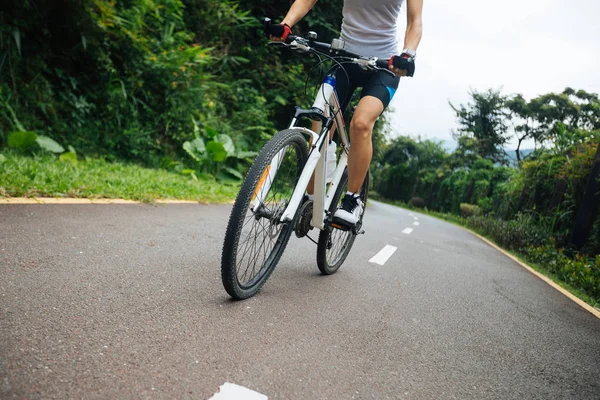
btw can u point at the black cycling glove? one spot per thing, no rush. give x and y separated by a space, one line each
404 62
281 31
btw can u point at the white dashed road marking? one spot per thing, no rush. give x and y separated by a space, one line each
416 223
407 231
383 255
231 391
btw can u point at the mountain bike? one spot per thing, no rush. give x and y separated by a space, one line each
272 201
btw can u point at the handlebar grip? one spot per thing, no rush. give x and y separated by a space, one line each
267 26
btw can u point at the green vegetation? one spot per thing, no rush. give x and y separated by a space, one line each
135 80
45 175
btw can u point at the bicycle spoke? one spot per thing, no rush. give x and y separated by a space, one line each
334 244
261 228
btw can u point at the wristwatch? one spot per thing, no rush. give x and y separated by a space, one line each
412 53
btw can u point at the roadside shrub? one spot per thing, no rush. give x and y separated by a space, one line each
518 235
486 204
469 210
417 202
580 272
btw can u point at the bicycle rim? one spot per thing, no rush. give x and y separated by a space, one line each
255 236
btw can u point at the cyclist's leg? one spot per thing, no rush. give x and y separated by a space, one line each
361 150
376 96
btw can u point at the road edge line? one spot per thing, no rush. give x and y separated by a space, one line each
53 200
546 279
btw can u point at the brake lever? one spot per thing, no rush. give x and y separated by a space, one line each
386 69
299 47
371 64
275 43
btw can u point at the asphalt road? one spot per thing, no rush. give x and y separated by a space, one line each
125 301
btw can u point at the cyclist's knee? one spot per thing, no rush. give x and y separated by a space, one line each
361 126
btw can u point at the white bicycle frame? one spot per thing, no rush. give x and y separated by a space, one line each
316 163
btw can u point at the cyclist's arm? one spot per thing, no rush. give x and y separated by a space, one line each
298 10
414 26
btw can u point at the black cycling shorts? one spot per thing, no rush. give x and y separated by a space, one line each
378 84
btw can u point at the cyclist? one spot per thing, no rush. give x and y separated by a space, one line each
369 28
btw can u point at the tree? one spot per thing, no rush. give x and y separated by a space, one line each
522 115
484 120
465 154
567 111
556 118
586 214
405 162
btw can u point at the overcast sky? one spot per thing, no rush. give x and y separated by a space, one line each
530 47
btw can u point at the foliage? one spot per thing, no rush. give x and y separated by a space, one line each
134 80
49 144
518 234
469 210
561 119
216 153
21 140
24 140
404 164
483 120
580 271
417 202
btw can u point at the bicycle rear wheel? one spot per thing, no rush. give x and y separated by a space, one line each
335 244
255 238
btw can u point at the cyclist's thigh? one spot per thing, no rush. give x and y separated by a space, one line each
367 111
382 86
347 79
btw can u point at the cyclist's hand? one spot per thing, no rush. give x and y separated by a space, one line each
402 65
279 32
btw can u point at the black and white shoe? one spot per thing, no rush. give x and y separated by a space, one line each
350 211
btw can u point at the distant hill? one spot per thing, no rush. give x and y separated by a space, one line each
512 155
450 146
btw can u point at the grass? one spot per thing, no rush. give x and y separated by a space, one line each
43 175
460 221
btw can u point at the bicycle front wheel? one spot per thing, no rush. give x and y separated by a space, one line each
255 238
335 244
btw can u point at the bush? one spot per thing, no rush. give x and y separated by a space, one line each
417 202
469 210
515 235
579 272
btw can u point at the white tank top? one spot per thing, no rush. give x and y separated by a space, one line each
369 27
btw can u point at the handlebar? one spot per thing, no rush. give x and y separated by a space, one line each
307 44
